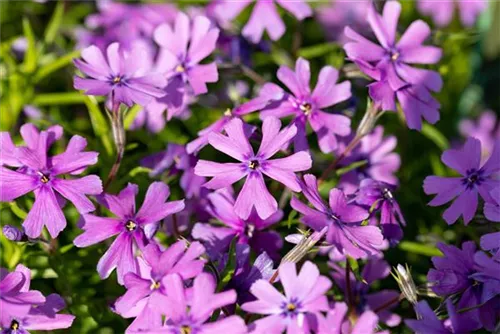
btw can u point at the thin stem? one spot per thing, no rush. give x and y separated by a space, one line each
387 304
247 71
119 137
175 226
348 284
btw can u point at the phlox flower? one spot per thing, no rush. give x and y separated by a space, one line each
336 322
476 178
145 288
343 220
254 193
387 63
484 129
42 174
134 228
491 241
125 76
188 310
264 17
251 231
309 107
442 11
294 311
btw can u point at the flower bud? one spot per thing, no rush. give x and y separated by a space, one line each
12 233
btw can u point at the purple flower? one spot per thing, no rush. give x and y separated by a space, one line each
484 130
476 178
124 76
343 220
491 242
374 269
442 11
307 106
381 161
218 126
12 233
16 298
254 193
146 289
187 310
335 322
182 48
296 310
264 17
175 159
249 231
428 322
134 228
378 196
42 317
42 174
472 275
388 64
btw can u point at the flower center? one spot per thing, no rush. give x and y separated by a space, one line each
474 177
387 193
131 226
180 69
14 325
185 329
306 108
117 79
228 112
253 164
249 229
291 307
155 285
394 56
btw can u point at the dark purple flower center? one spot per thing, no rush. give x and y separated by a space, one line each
44 177
131 226
387 194
253 164
14 325
291 308
306 108
394 54
474 177
249 230
180 68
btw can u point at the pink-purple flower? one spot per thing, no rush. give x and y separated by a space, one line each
475 178
387 63
484 129
125 76
294 311
337 322
133 228
309 107
32 170
254 166
264 17
343 219
442 11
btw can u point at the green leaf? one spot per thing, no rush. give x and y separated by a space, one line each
350 167
230 268
60 98
130 116
415 247
291 216
138 170
18 211
317 50
99 123
29 63
55 23
55 65
435 136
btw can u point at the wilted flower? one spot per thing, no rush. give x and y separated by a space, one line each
309 107
254 193
264 17
476 179
378 196
125 76
294 311
388 64
187 310
42 174
406 284
249 231
343 220
442 11
134 228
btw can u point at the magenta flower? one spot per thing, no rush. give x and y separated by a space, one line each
182 48
249 231
42 174
381 161
134 228
146 289
294 311
388 64
343 220
16 298
307 107
254 193
491 241
188 310
337 322
264 17
476 179
378 196
442 11
256 104
125 76
484 130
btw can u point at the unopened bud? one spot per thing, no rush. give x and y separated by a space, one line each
406 284
13 233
